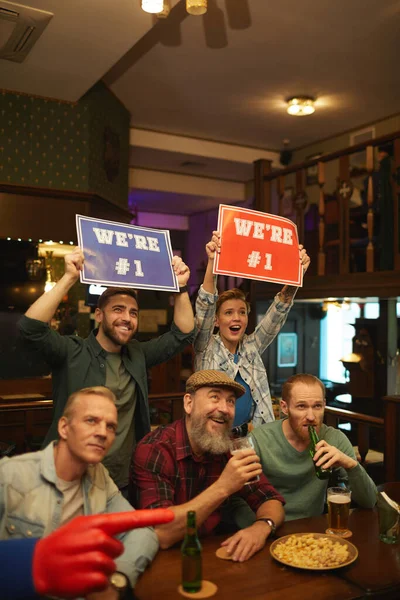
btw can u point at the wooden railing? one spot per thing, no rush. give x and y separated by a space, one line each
26 419
364 422
392 437
390 425
269 183
169 404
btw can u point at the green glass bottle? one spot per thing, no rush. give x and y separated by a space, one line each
191 556
320 472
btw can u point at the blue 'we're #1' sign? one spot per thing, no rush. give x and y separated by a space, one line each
123 255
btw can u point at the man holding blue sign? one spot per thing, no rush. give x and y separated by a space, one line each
109 356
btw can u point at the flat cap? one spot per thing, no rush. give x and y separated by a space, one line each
210 378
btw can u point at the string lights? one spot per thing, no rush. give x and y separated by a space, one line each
40 241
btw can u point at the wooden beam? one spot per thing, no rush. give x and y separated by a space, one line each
396 199
262 187
321 225
334 155
387 348
384 284
344 234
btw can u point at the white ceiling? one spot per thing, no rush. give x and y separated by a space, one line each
343 52
82 41
222 77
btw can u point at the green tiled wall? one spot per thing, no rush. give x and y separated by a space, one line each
55 145
107 113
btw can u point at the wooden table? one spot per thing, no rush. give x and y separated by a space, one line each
376 572
377 568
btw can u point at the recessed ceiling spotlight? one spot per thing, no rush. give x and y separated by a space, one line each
300 106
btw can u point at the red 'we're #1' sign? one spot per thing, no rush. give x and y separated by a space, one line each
257 245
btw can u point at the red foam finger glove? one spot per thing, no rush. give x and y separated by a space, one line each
77 559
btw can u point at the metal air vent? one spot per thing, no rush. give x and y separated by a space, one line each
20 28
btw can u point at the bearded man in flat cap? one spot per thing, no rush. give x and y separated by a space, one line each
187 466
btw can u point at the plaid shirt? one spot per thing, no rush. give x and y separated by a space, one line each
165 472
210 352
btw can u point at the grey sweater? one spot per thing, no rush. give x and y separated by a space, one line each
292 472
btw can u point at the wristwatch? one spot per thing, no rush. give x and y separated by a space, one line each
183 289
270 522
121 584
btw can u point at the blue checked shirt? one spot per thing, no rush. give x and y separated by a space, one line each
210 352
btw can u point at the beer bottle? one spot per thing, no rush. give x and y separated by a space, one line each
191 556
320 472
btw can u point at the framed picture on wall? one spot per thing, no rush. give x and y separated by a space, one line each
287 350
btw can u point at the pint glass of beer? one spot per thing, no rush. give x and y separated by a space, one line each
242 443
338 510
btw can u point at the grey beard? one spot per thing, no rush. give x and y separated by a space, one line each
209 443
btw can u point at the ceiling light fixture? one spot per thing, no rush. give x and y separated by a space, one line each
301 106
196 7
153 6
166 10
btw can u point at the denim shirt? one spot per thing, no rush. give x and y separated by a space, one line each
31 505
210 352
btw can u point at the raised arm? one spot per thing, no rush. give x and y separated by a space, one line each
288 292
341 454
212 248
155 487
45 306
206 299
183 311
238 471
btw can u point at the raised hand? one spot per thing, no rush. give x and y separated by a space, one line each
239 470
77 558
304 258
74 262
213 245
181 270
328 456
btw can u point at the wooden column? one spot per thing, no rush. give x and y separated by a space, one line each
385 382
392 437
262 188
300 203
262 202
370 215
280 187
396 197
321 225
344 225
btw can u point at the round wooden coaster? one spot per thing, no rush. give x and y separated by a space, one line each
208 589
222 553
346 535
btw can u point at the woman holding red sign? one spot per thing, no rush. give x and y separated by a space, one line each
233 351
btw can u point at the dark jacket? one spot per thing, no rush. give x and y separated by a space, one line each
77 363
